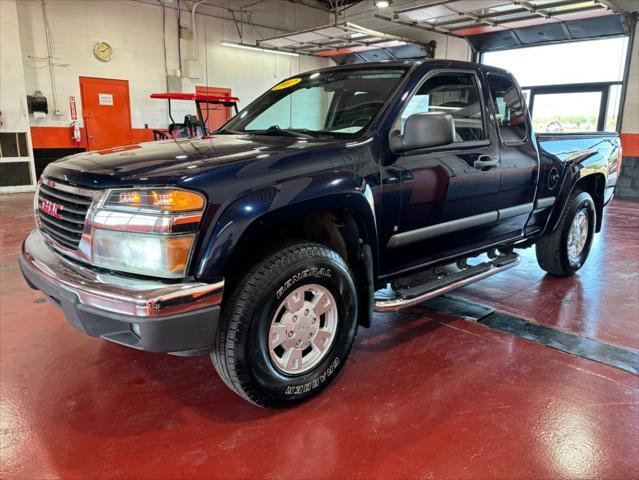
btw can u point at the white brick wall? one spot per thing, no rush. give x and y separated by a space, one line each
631 109
13 102
134 30
12 94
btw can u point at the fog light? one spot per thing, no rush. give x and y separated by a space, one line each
135 328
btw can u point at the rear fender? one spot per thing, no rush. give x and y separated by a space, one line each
586 165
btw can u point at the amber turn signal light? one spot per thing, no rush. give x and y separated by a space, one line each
162 199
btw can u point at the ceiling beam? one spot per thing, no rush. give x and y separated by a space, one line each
418 25
483 17
304 4
531 8
478 19
492 18
419 7
530 17
611 5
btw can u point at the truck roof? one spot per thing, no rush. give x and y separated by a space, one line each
436 62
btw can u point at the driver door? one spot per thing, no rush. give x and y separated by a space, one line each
449 193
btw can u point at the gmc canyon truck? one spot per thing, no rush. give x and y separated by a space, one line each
337 193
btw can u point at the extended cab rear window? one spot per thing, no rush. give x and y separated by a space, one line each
509 106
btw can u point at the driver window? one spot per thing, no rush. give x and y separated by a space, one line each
456 94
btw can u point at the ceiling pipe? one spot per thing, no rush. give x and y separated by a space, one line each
195 5
218 17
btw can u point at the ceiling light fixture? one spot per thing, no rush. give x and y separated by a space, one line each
382 3
259 49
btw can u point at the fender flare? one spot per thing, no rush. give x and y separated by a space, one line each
264 206
586 165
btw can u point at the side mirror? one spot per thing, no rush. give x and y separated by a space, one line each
423 130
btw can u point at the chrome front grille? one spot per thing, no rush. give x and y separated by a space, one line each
62 212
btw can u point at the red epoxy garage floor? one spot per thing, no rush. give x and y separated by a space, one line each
601 303
422 396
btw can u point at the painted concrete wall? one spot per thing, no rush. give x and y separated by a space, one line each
628 185
13 104
631 110
134 30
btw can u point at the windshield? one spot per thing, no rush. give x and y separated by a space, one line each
321 104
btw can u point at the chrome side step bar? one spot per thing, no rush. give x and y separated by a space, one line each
456 280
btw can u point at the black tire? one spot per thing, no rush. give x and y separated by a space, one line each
552 249
241 353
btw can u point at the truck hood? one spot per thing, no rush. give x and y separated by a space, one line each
174 161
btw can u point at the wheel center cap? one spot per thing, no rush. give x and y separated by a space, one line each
302 325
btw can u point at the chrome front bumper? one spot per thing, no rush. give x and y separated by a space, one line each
176 316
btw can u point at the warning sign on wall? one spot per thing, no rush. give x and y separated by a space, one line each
73 109
105 99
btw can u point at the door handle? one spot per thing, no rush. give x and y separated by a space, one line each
484 162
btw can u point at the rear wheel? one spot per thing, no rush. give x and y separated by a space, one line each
564 251
288 326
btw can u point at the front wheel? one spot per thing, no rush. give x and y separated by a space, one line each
288 326
564 250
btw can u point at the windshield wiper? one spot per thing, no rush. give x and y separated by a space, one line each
275 130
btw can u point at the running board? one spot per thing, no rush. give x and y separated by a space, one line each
408 297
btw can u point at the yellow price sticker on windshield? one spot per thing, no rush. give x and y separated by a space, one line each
287 83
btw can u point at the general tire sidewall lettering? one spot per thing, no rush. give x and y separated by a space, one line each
311 272
322 271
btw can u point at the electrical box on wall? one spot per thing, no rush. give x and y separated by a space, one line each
185 33
174 83
193 69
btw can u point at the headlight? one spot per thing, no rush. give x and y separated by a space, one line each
146 231
146 254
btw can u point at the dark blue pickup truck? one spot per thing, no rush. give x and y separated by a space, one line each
337 193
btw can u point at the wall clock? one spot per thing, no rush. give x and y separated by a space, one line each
102 51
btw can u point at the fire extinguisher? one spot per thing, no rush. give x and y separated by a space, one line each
75 133
75 125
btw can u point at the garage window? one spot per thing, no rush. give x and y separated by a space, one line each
590 61
570 87
13 144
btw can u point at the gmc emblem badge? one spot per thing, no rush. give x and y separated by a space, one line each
51 208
